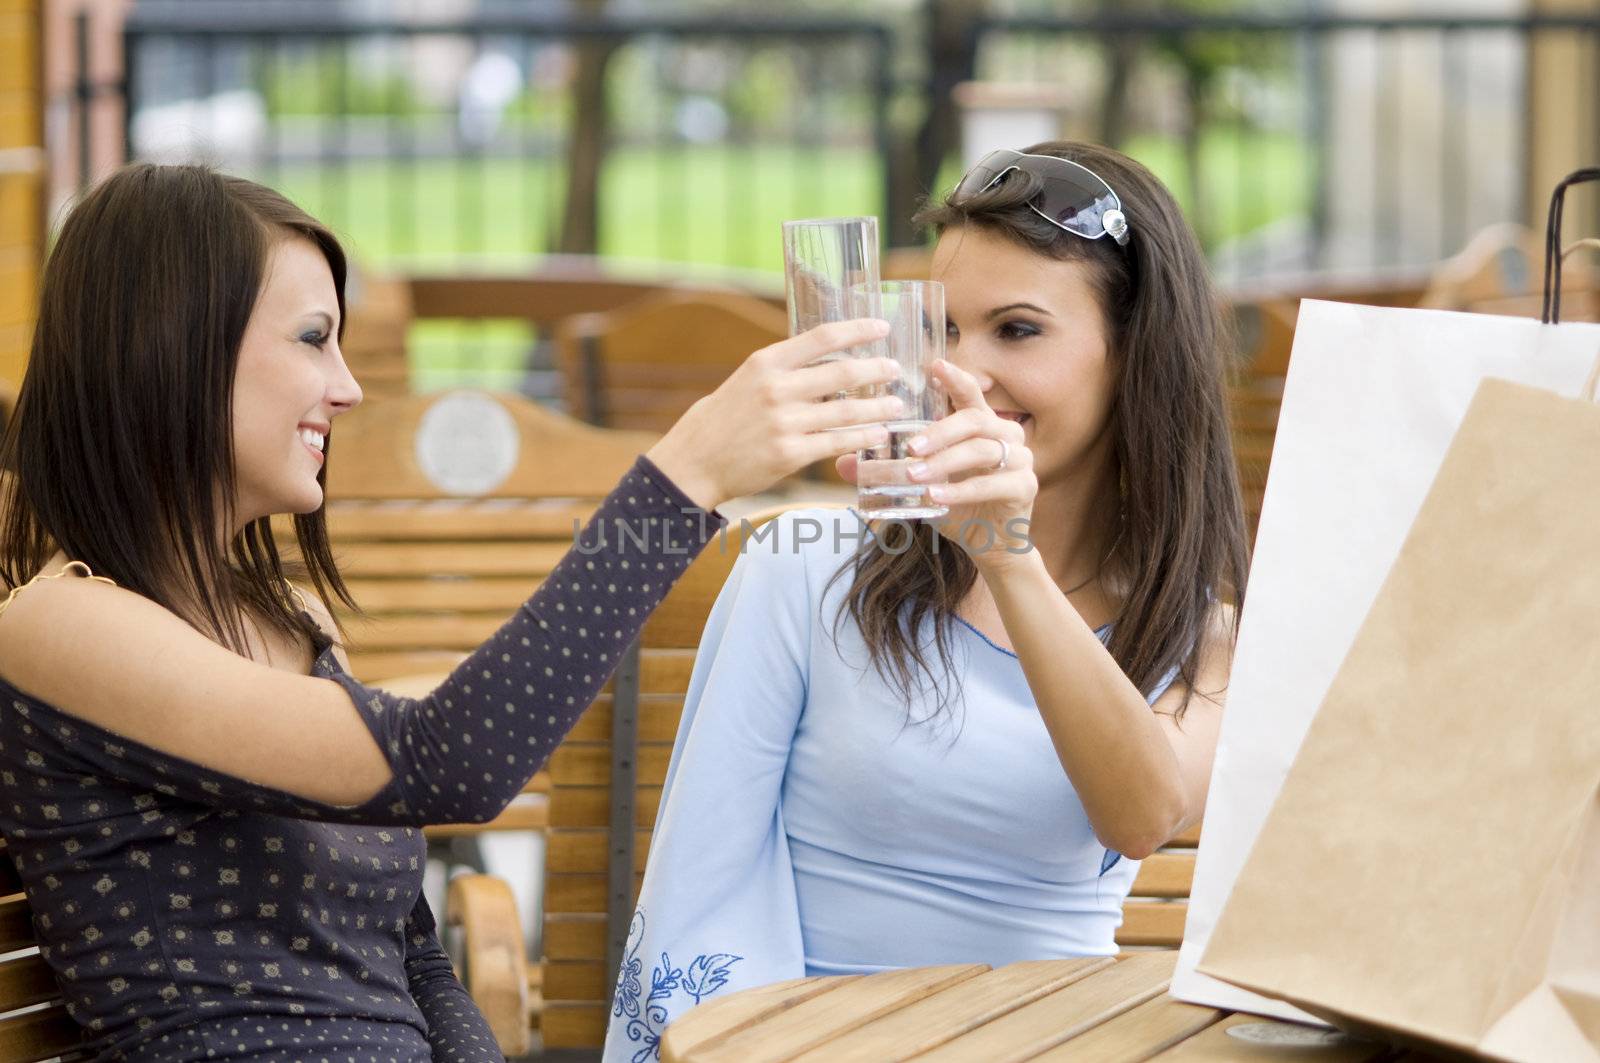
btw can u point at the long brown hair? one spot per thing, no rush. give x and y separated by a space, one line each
121 447
1182 547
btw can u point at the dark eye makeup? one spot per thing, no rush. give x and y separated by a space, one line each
1017 330
1006 330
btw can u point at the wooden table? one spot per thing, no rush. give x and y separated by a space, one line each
1086 1011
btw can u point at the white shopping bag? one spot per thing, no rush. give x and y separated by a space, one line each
1373 398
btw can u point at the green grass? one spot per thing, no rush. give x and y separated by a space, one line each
1251 179
477 354
713 206
719 207
705 207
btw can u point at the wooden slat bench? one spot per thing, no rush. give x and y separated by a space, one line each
34 1024
592 876
438 569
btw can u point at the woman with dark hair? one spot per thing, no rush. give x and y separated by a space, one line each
215 823
954 743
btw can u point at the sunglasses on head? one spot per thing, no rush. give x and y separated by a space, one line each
1072 197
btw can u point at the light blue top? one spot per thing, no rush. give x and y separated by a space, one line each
807 828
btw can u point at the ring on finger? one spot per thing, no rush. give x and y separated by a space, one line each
1005 453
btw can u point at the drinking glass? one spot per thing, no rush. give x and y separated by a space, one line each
915 312
823 258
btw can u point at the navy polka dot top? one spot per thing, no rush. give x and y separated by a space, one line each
191 915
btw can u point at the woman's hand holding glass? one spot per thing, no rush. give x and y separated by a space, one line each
769 419
989 504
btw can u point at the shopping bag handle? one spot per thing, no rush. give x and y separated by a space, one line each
1552 242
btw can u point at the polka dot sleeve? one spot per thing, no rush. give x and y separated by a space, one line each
463 752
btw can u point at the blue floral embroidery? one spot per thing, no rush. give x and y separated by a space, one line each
647 1019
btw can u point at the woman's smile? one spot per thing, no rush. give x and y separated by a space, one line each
315 439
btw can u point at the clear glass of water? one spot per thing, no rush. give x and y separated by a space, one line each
823 258
915 312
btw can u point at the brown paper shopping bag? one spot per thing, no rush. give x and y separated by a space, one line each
1431 868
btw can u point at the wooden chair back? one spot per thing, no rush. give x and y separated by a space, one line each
26 982
377 322
1265 329
641 366
1501 271
579 858
562 285
446 511
1157 905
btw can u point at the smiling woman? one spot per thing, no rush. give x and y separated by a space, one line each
175 312
216 825
955 743
1112 358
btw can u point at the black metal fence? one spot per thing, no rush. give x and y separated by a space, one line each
1297 143
1302 140
509 133
1306 142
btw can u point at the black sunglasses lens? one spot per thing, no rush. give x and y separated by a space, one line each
984 172
1076 201
1070 195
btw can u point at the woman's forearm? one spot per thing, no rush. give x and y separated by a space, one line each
1104 732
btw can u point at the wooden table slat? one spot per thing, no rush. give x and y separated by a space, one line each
1095 1010
714 1020
960 1009
829 1015
1045 1023
1215 1045
1135 1035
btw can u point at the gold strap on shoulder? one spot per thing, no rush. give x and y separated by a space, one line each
298 595
71 568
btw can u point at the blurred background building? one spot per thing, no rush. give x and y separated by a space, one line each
1305 137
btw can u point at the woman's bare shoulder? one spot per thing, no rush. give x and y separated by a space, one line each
72 641
126 664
